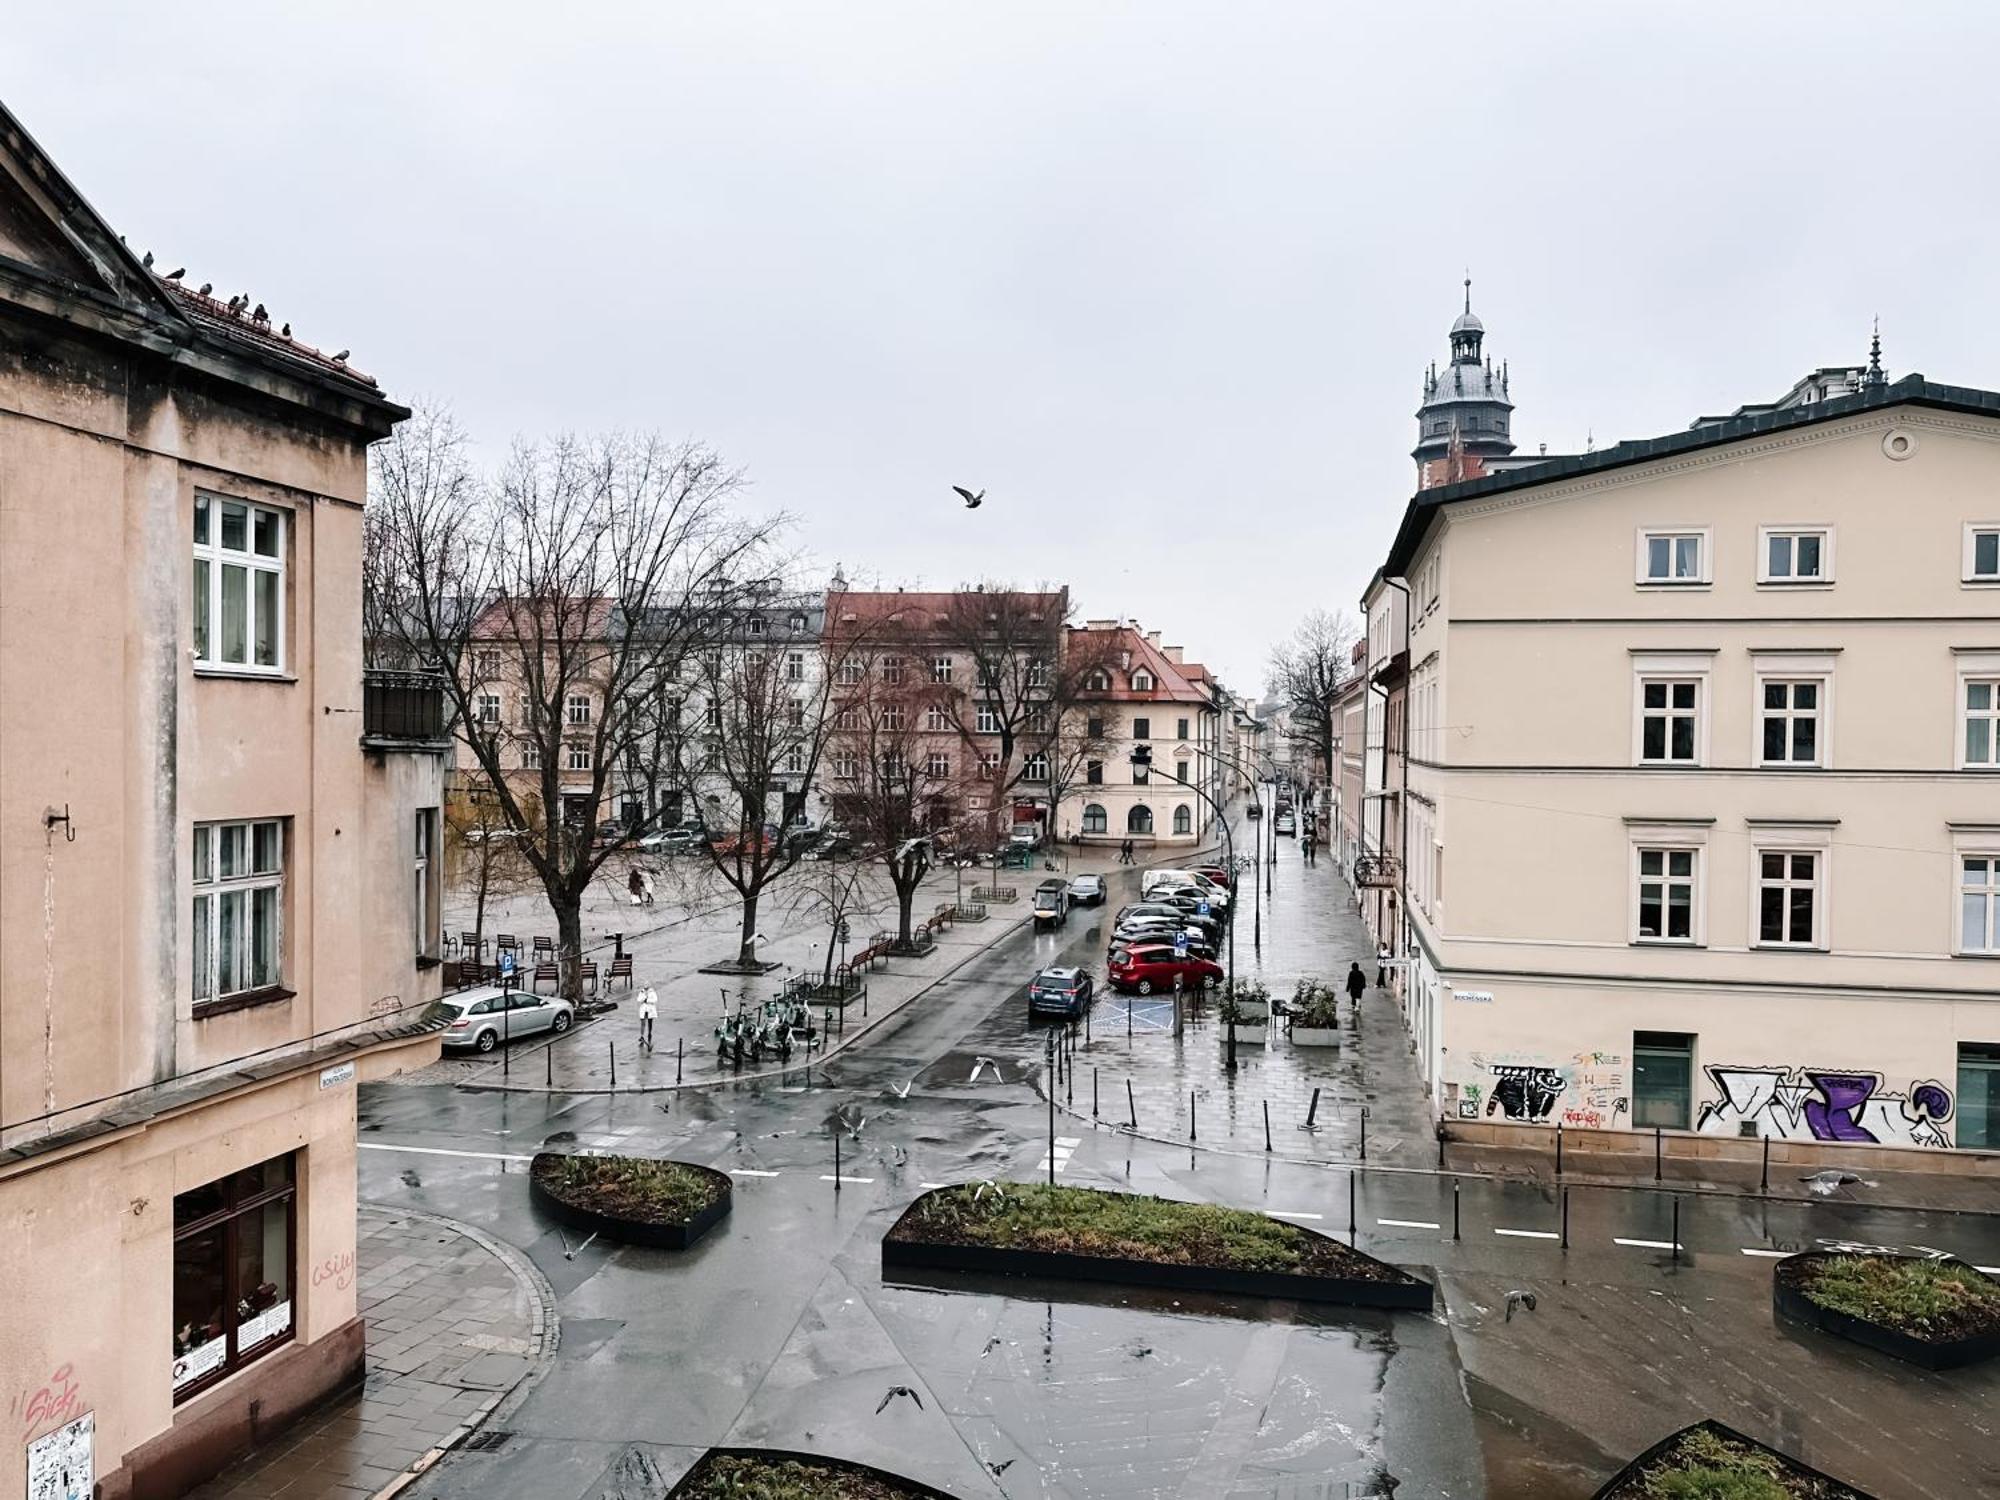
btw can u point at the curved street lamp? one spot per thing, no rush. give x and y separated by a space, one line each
1142 759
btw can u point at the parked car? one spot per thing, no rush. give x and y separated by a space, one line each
1254 810
1153 879
729 843
1051 903
1087 890
611 833
1198 944
1063 992
670 840
482 835
1192 890
483 1018
1224 878
1286 823
1163 909
1025 836
1148 967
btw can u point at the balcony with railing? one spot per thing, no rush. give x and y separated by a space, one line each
403 711
1378 872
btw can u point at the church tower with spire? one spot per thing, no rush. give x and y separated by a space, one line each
1465 418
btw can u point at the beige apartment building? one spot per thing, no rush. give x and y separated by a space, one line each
1702 819
218 902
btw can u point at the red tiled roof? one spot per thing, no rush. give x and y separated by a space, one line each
856 607
241 328
1172 682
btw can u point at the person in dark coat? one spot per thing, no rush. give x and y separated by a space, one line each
1357 982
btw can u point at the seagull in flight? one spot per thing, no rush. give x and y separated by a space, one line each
901 1090
971 500
899 1390
980 1065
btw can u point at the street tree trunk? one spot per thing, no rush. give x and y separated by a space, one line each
746 951
568 909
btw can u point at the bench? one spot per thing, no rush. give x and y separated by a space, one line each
621 968
548 970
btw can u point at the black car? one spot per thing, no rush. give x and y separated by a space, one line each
1064 993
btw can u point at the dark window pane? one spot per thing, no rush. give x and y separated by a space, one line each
1656 695
1654 744
1802 914
1805 695
263 1276
251 1181
200 1294
1773 866
1802 867
198 1204
1649 862
1683 739
1679 912
1808 557
1684 695
1771 915
1681 862
1805 740
1649 911
1774 695
1986 553
1781 557
1774 739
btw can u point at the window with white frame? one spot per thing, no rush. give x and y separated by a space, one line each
1666 895
940 669
423 887
238 607
987 720
1789 722
1094 819
795 666
850 672
935 720
1035 767
937 765
578 757
1788 897
1669 720
239 908
1980 712
486 664
1142 681
578 710
845 764
1669 557
1982 553
1099 681
795 761
489 708
1038 673
531 755
989 764
892 717
1183 819
892 669
795 712
1796 556
847 719
795 623
756 624
1979 903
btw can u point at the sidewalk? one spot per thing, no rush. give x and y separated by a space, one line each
456 1321
1309 928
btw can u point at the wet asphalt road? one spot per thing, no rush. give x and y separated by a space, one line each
779 1329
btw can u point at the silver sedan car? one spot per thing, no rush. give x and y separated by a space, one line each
485 1017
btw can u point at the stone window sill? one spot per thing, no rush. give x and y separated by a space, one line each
270 995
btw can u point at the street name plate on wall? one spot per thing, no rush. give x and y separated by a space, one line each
334 1077
1473 997
61 1464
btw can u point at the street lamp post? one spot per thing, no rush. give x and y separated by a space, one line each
1142 759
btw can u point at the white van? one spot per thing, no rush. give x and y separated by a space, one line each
1152 880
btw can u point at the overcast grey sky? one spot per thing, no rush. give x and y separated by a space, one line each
1162 278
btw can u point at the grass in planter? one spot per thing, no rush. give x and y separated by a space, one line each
1927 1299
628 1187
1708 1466
1127 1226
732 1477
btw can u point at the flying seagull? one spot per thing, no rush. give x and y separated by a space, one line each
971 500
899 1390
1826 1184
1518 1299
999 1468
901 1090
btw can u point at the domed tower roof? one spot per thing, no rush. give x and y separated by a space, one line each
1466 409
1468 321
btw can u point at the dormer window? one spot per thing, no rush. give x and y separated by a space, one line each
1142 681
1100 681
796 623
756 624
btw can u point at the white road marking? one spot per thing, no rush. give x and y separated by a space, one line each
1648 1244
441 1151
1768 1254
928 1186
1989 1270
1289 1213
1406 1223
749 1172
1530 1234
829 1177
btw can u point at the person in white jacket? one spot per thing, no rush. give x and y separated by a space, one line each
649 1012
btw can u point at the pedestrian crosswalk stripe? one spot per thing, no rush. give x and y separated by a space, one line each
1406 1223
749 1172
1769 1254
829 1177
441 1151
1529 1234
1289 1213
1647 1244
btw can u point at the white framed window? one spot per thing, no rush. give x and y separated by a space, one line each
1979 902
1788 722
1183 820
1142 681
795 712
756 624
1982 552
1794 554
940 669
847 719
1979 722
989 764
988 719
578 757
795 761
577 710
845 764
892 669
1669 558
1667 899
795 623
1099 681
1038 673
892 717
1790 897
531 755
795 666
1035 767
935 720
1094 819
1670 721
486 664
937 765
423 891
489 708
239 908
850 672
238 608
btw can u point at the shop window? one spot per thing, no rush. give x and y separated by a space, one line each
233 1260
1662 1079
1978 1095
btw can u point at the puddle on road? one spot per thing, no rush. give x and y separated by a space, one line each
1530 1455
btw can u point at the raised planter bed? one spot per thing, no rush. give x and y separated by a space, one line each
920 944
1315 1036
1254 1010
1248 1033
1711 1460
1082 1234
1940 1314
781 1474
637 1200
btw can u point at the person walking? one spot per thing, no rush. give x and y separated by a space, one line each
1357 983
637 886
649 1012
646 883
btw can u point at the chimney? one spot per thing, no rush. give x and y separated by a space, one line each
1153 639
1172 654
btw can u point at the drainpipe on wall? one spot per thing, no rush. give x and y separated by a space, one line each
1402 804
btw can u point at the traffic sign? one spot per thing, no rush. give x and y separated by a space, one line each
1201 907
1180 942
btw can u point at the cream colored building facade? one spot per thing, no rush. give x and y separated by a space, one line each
1703 765
217 887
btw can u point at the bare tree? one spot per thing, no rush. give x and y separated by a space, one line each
836 894
1307 669
480 853
553 602
763 698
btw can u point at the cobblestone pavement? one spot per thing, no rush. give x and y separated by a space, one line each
1310 929
456 1320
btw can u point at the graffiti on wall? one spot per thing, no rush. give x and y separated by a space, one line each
1587 1091
1825 1104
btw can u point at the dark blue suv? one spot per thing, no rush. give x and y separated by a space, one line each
1062 993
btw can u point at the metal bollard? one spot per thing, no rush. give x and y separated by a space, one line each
1676 1235
1565 1223
1454 1208
549 1065
1364 1132
1128 1018
612 1047
1559 1148
1764 1180
1130 1106
836 1156
1656 1153
1312 1109
1267 1124
1093 1092
1190 1114
1351 1194
680 1049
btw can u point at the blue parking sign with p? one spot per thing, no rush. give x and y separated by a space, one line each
1202 908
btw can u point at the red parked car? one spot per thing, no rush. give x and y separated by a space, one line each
1216 873
1146 967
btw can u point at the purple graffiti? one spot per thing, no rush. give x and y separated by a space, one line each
1831 1117
1932 1101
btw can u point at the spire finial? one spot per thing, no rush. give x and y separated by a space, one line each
1875 374
1468 289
